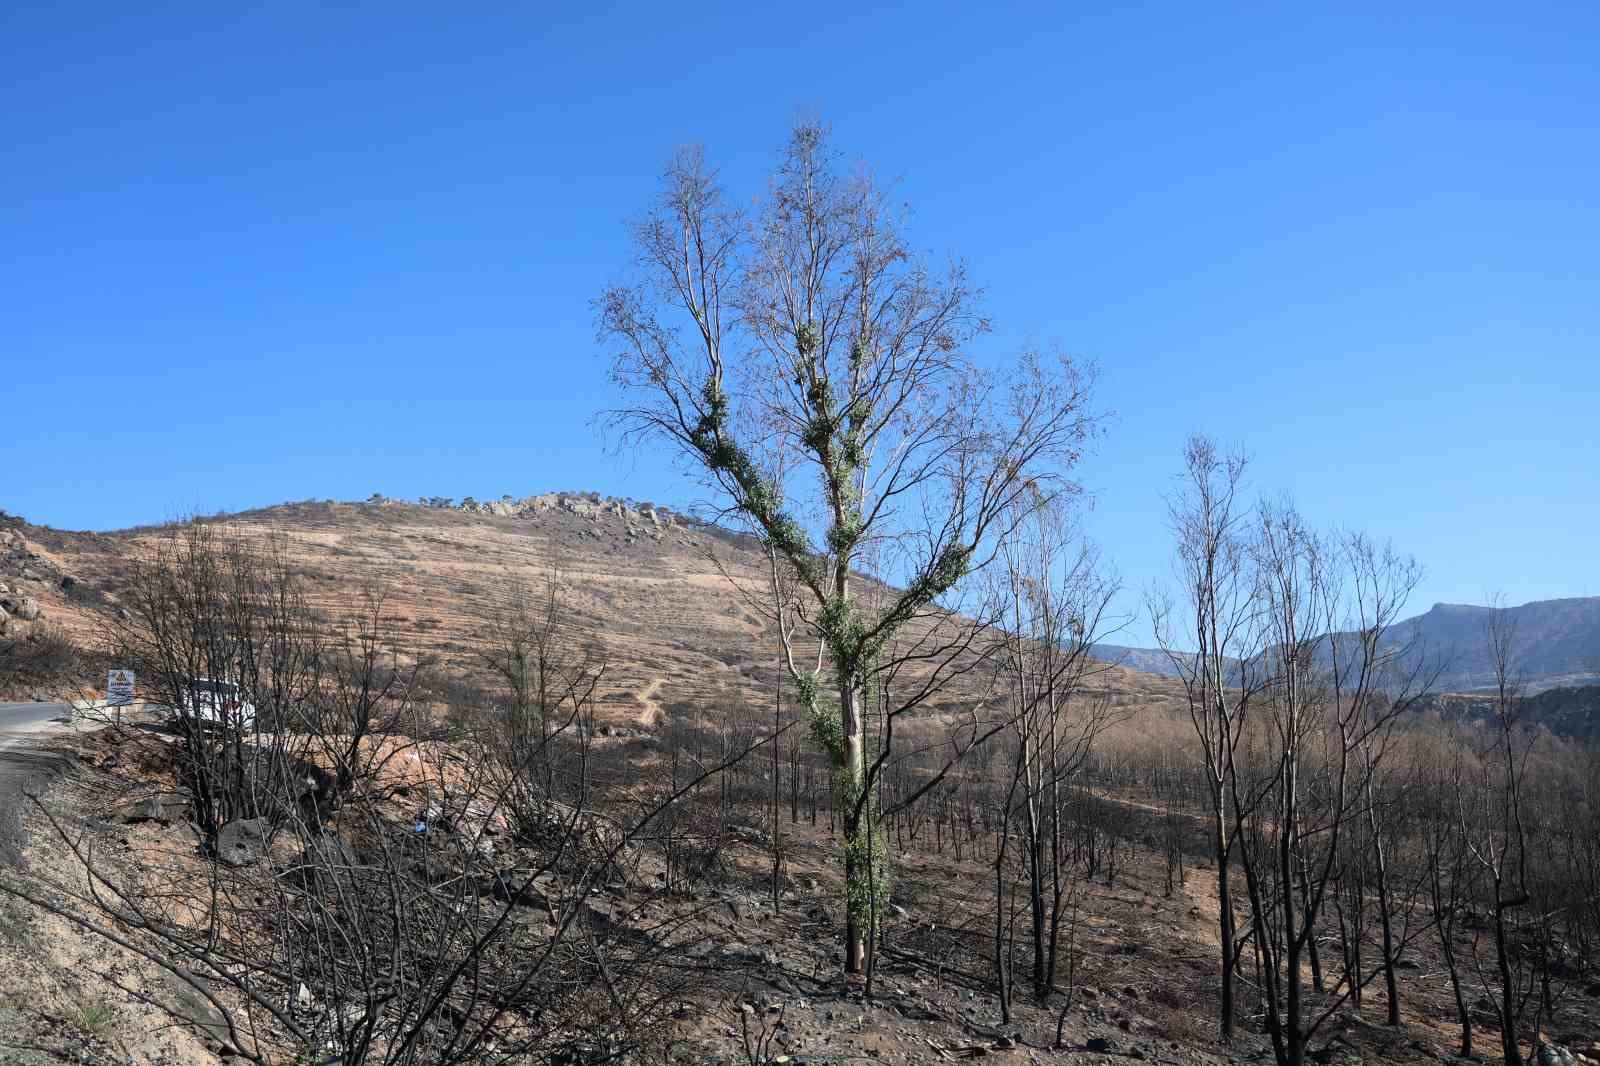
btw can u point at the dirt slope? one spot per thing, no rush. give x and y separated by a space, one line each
657 588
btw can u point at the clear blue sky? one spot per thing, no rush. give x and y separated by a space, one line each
324 250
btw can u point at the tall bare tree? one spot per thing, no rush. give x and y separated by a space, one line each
1335 690
1056 598
1495 822
814 327
1218 618
1451 872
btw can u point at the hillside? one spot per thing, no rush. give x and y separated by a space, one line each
1573 712
658 588
1557 642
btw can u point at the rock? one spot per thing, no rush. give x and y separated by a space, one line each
24 608
163 807
1555 1055
293 785
745 955
243 841
748 834
325 856
515 889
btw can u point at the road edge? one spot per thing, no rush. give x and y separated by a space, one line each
25 770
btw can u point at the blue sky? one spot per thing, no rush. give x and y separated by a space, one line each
290 252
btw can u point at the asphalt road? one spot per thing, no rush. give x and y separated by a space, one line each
21 763
28 717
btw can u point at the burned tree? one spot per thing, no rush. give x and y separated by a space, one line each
815 328
1055 600
218 626
1217 616
545 670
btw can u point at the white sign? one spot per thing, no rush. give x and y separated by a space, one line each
119 688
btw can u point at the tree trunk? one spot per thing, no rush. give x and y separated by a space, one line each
856 875
1508 993
1225 922
1385 915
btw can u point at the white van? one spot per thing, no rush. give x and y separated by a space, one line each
217 703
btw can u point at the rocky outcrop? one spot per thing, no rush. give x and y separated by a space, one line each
23 572
642 519
19 605
589 505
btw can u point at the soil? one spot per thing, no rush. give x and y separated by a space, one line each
1143 990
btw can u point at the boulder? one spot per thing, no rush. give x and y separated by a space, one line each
20 606
516 889
749 834
739 955
243 841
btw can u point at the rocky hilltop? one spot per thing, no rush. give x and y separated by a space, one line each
592 505
668 595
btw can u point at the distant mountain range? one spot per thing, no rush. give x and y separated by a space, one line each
1557 644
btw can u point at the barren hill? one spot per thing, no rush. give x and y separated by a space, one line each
658 588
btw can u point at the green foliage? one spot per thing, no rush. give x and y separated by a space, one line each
307 1056
760 497
829 731
93 1017
807 687
806 339
949 568
843 536
835 437
866 894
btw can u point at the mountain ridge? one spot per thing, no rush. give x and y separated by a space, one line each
1556 645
